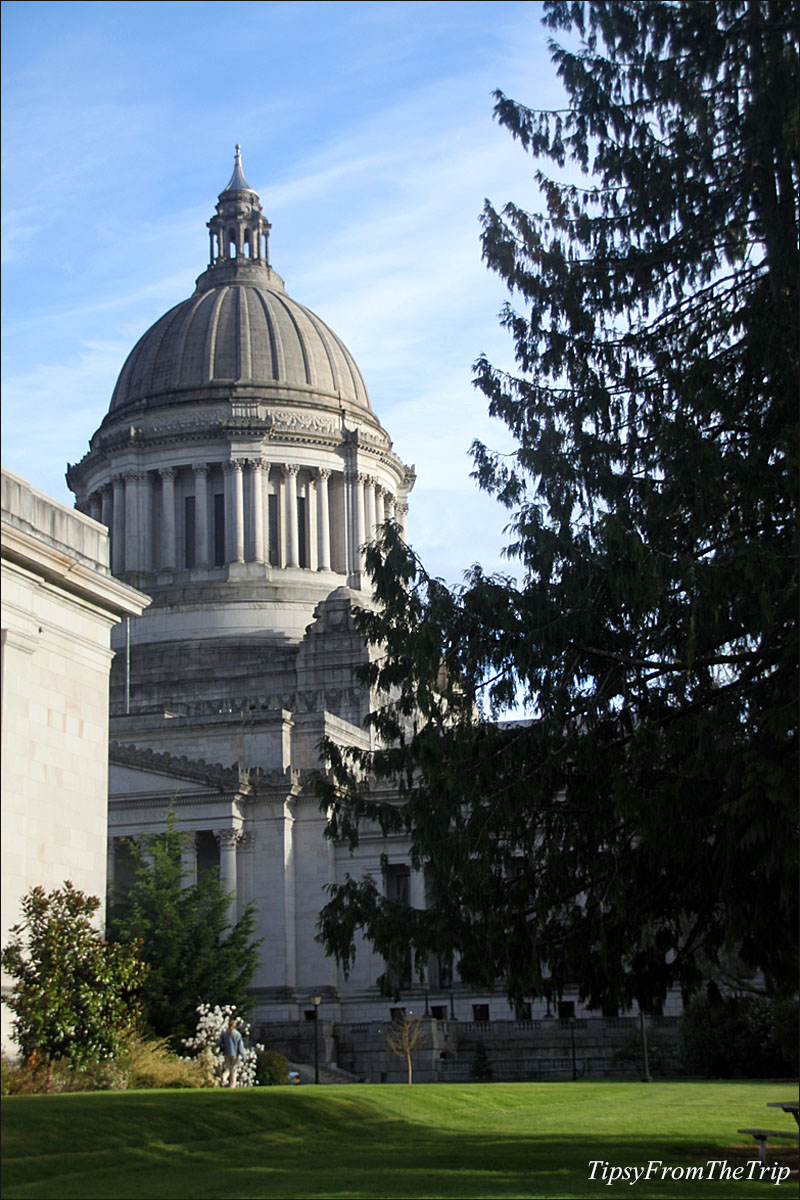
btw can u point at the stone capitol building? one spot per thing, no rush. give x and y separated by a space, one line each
240 470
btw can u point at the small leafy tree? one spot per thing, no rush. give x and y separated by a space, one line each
75 995
405 1036
481 1067
204 1045
196 954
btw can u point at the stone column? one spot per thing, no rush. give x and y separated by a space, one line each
189 859
238 511
401 516
202 557
132 520
107 507
146 523
323 521
290 482
167 518
96 506
228 839
380 510
234 506
118 529
388 506
257 471
369 496
360 523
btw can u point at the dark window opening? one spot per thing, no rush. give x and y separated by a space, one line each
189 531
274 548
439 1012
207 853
523 1011
480 1012
219 530
302 531
397 880
125 864
566 1009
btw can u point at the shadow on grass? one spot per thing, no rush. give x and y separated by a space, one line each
287 1144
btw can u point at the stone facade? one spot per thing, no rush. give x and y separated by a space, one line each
59 603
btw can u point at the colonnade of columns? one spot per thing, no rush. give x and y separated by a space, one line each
228 840
323 537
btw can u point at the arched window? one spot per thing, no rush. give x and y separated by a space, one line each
231 243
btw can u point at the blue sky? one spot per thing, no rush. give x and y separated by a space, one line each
367 130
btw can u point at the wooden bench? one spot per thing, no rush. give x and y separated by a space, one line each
762 1136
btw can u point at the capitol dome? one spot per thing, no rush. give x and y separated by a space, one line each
240 327
240 467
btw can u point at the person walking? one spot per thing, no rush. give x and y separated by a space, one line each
232 1047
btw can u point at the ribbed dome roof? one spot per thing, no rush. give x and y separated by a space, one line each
238 332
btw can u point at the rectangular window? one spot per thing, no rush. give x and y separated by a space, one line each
188 531
274 545
480 1012
302 531
219 530
397 879
439 1012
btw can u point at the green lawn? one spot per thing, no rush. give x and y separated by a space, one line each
480 1140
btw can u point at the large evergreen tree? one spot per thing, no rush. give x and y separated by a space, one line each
195 952
640 827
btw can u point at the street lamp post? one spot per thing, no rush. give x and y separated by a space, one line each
572 1032
316 1001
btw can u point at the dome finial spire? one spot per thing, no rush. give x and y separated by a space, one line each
237 182
239 230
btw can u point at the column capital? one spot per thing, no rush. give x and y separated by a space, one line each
200 468
289 469
167 472
227 838
233 466
322 473
117 481
258 464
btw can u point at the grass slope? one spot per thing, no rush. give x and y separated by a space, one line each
471 1141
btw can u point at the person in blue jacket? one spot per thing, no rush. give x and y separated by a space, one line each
232 1047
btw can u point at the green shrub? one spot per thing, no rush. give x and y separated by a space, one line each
37 1075
149 1063
728 1037
271 1068
481 1067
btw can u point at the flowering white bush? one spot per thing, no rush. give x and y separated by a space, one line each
205 1044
